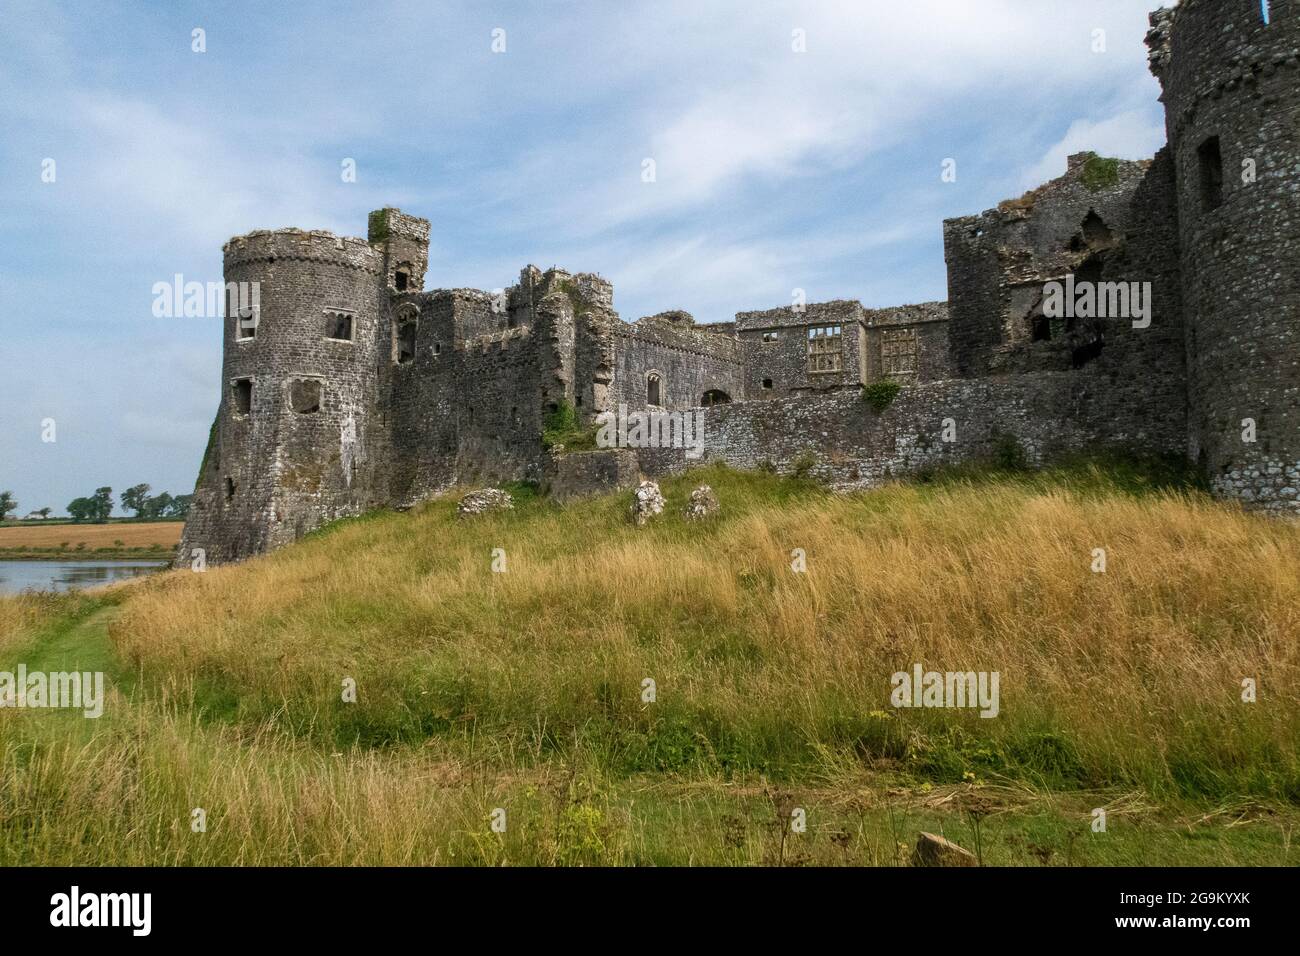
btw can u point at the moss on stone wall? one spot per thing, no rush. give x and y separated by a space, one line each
1100 172
880 394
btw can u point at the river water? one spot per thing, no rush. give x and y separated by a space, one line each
18 576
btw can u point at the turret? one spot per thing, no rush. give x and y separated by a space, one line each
290 446
1230 70
403 241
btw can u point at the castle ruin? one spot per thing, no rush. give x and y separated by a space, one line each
352 389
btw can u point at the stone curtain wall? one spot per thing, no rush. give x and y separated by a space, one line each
841 440
1228 76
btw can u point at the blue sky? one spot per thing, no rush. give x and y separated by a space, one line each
775 169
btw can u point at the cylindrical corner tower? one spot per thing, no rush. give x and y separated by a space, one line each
290 445
1231 76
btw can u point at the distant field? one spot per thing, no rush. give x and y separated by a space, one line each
165 534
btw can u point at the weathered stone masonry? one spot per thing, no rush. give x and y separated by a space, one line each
350 389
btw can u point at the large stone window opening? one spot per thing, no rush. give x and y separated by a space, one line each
402 277
241 393
653 389
824 351
898 352
715 396
1210 158
338 326
305 396
404 337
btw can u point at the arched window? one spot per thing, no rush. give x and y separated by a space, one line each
653 389
404 330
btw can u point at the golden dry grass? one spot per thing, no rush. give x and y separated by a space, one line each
522 690
1133 676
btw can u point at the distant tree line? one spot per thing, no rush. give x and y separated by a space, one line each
147 507
99 506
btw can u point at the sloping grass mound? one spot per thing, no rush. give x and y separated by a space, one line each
1128 677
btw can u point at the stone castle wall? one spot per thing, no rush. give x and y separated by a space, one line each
838 438
430 389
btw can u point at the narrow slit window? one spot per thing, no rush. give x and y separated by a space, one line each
653 390
1210 157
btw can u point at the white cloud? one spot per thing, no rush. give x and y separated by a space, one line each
1134 134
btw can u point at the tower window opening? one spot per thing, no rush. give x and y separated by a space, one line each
304 396
230 488
401 280
338 326
767 383
1210 157
1267 13
245 315
653 389
404 342
242 393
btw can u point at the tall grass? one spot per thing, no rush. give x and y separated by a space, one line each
1128 678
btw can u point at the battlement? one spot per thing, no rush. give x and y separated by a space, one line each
317 245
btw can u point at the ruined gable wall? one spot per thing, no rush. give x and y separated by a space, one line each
999 260
1125 232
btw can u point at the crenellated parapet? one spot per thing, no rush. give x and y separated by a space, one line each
269 245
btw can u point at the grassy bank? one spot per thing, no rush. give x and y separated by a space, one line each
524 690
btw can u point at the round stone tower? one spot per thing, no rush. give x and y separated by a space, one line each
1230 70
290 447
